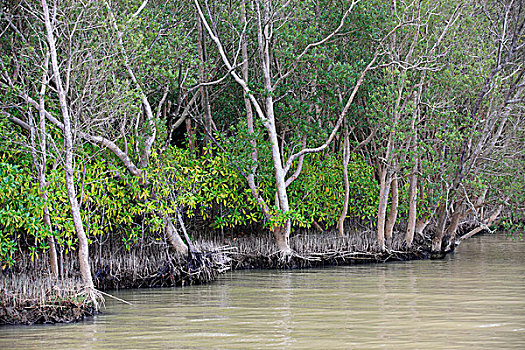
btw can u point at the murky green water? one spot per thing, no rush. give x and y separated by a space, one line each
474 299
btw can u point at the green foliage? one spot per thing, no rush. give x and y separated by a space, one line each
513 227
160 47
20 210
318 193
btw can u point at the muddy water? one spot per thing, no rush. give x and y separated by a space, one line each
474 299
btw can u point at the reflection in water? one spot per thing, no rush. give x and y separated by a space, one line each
472 299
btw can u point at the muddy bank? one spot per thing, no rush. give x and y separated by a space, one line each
29 295
29 300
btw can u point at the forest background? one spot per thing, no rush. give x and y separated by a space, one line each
141 122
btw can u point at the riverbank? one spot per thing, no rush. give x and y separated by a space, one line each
29 299
479 289
321 250
29 295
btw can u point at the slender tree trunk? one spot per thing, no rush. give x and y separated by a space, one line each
249 111
440 228
422 224
41 169
40 166
53 261
189 133
412 205
174 238
392 217
281 243
52 251
346 161
385 180
281 233
423 221
83 249
452 228
265 27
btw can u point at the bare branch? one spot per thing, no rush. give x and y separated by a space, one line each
139 10
147 107
17 121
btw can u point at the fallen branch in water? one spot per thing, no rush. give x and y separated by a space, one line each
114 297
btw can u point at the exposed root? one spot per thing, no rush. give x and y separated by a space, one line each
27 298
315 250
44 300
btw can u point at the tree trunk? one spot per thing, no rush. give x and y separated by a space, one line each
174 238
452 228
413 183
383 202
189 133
412 205
282 233
440 228
282 238
83 249
393 210
422 224
249 113
52 250
40 166
184 232
346 161
263 33
53 261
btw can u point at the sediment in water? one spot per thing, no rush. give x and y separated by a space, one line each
29 295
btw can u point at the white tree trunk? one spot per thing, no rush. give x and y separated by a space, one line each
440 228
83 249
346 161
264 27
453 226
174 238
383 203
392 217
412 205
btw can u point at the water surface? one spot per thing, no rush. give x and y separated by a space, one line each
474 299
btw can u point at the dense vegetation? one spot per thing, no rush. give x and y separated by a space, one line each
133 119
